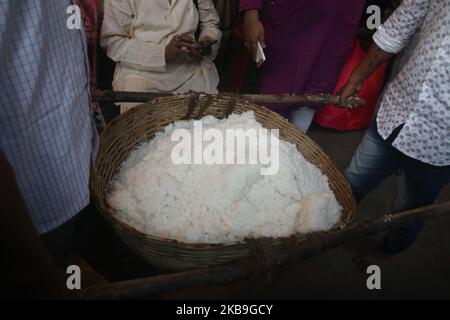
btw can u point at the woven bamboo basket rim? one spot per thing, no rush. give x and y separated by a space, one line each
194 111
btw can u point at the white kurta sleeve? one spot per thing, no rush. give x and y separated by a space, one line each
396 32
209 24
119 44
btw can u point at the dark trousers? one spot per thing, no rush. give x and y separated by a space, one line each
420 184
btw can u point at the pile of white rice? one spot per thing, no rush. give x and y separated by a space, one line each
220 203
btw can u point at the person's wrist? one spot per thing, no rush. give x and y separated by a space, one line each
357 79
251 15
167 54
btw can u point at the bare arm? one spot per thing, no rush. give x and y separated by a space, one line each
253 31
374 58
390 39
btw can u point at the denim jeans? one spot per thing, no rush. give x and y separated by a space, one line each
420 183
303 118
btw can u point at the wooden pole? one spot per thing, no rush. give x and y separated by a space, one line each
125 96
306 247
137 97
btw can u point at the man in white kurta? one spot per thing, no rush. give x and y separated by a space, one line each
137 33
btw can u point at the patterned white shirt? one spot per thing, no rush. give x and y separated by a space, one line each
46 127
419 97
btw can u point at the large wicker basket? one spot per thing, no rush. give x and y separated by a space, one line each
143 122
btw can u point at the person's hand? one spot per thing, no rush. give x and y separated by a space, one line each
373 59
350 89
204 47
253 32
181 44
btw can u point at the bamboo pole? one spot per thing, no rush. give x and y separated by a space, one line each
137 97
233 273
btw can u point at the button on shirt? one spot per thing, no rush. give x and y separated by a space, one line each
46 127
419 97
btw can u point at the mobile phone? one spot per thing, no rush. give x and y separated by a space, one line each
205 48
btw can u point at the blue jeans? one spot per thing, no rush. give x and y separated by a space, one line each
420 184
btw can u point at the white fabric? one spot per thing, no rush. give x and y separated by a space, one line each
419 96
47 131
135 34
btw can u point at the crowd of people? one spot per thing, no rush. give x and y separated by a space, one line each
48 125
